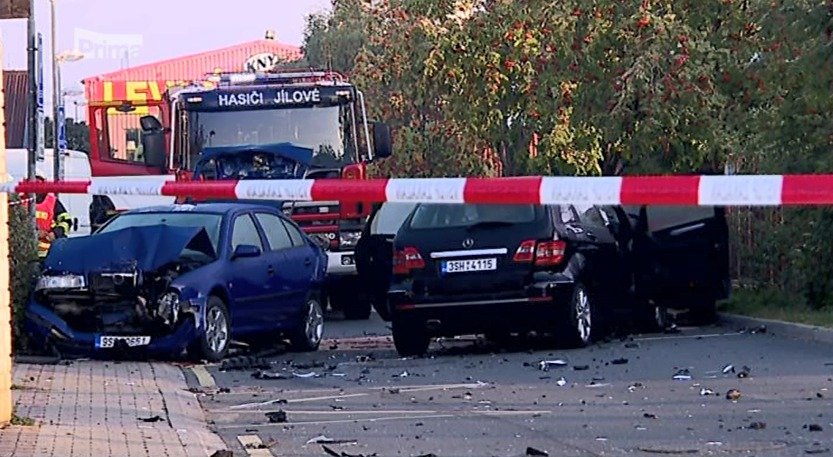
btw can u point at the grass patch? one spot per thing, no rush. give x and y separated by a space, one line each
776 305
24 421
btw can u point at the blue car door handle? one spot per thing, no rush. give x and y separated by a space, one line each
307 261
270 270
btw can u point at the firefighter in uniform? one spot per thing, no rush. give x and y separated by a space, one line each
53 221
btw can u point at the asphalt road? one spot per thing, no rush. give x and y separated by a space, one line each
472 399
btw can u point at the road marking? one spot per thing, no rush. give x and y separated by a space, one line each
348 412
385 419
204 377
337 421
477 385
404 389
511 413
254 446
686 337
299 400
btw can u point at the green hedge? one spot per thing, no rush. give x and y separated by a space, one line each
23 263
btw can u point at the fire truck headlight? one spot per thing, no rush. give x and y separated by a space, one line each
349 239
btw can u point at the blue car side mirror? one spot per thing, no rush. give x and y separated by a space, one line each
246 250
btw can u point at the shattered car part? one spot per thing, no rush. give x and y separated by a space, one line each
276 417
268 375
682 375
322 439
128 283
545 365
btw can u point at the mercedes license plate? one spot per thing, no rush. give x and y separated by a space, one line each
468 265
105 342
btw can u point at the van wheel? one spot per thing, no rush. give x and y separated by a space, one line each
307 336
409 338
213 343
580 324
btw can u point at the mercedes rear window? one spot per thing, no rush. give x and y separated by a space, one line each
390 218
462 215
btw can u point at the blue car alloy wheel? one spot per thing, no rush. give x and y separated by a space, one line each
213 342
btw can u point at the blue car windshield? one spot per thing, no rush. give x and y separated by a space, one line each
210 222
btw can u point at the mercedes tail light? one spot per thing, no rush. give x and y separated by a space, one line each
541 253
406 260
550 253
525 252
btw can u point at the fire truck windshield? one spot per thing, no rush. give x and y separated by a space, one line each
249 165
321 129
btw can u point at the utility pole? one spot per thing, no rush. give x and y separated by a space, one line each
33 106
56 93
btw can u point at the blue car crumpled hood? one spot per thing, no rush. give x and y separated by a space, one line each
147 248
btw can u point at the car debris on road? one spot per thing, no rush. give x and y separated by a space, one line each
682 375
733 395
545 365
276 417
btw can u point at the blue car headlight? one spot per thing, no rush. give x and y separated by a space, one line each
61 282
168 308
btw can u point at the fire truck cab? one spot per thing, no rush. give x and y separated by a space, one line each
285 125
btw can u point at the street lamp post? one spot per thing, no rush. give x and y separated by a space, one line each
58 116
56 92
57 99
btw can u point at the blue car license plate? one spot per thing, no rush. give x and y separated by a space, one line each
106 342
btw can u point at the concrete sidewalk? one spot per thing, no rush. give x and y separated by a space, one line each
94 409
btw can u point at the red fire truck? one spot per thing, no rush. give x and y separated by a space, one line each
280 125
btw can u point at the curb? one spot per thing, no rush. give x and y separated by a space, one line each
185 412
779 328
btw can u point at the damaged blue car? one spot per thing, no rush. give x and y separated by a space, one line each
181 279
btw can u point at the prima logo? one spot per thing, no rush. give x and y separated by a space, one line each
107 46
468 243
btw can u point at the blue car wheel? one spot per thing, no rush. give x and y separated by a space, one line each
213 343
310 331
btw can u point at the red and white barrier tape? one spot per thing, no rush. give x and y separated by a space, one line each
22 201
737 190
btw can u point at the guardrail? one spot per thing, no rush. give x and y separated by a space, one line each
736 190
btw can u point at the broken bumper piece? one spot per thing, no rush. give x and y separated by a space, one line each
47 330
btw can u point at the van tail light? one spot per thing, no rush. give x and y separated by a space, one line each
525 252
406 260
550 253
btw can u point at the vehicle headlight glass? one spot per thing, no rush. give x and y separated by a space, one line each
349 239
168 309
61 282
